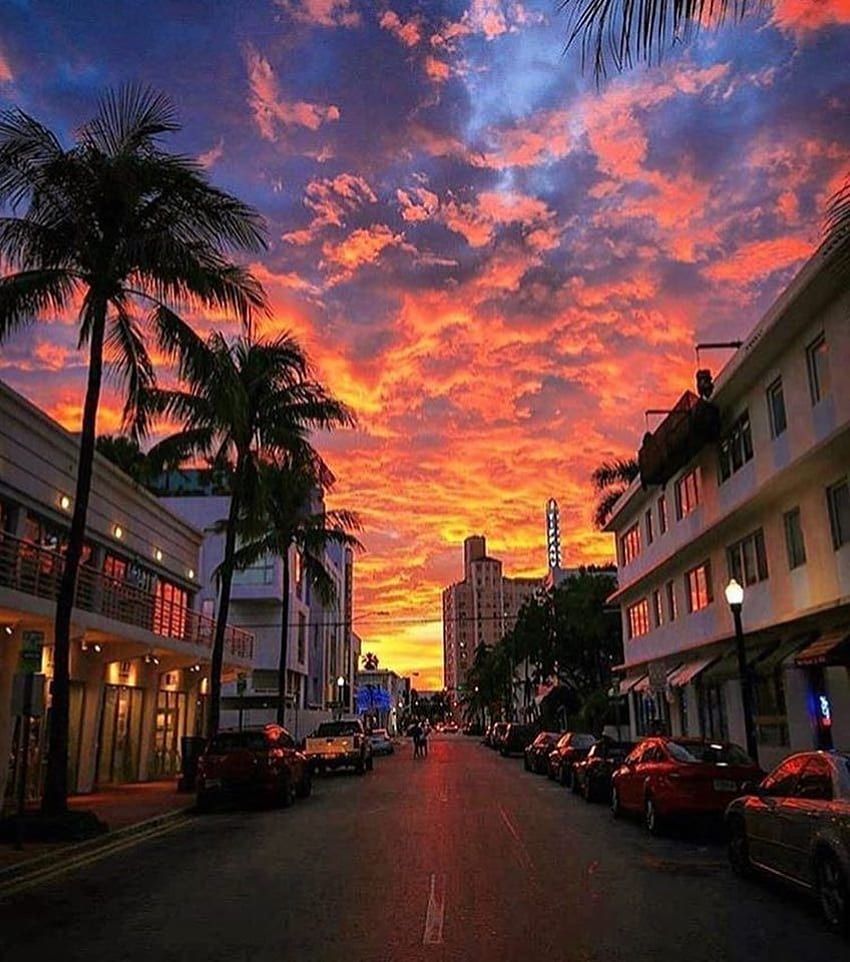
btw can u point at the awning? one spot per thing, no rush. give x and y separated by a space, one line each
630 684
685 674
824 650
641 685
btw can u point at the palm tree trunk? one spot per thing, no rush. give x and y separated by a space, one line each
55 798
223 605
284 642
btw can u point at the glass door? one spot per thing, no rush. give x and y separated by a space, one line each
170 727
120 735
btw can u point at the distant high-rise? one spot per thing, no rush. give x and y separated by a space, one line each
479 609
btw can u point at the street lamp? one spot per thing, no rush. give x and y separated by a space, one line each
340 685
735 598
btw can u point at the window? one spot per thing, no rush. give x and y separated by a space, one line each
794 542
169 610
712 709
647 520
771 715
776 408
638 614
687 494
630 544
302 638
816 364
656 608
672 606
662 514
838 499
783 781
816 780
747 559
736 448
698 587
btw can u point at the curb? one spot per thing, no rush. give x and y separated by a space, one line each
40 863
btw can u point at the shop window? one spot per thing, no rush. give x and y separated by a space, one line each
776 408
838 500
747 559
794 542
818 369
712 710
169 613
630 544
698 590
687 494
672 604
736 448
638 617
771 716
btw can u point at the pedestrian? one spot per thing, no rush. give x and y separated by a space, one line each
423 741
416 732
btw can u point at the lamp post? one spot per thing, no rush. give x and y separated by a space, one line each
735 598
340 685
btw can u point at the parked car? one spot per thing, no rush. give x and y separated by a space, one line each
451 728
381 742
796 824
340 744
516 739
259 763
592 774
474 729
497 733
666 777
571 748
537 753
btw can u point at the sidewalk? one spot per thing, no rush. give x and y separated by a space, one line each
120 807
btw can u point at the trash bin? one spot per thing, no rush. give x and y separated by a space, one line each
191 749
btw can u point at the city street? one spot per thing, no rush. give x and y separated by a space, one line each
463 856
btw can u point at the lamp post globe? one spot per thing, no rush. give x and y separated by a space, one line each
734 594
735 598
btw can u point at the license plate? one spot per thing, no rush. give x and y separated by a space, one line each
725 785
213 783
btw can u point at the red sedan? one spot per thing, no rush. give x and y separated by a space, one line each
665 777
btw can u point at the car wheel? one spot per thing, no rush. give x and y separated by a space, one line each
287 793
651 818
616 811
360 767
204 802
574 784
738 849
566 775
525 764
833 892
550 772
305 789
370 763
587 790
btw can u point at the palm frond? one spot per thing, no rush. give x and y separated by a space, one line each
28 295
619 471
605 506
129 118
129 359
28 150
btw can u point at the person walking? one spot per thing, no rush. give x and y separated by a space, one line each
416 732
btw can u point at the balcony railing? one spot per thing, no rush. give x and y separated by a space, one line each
37 571
691 425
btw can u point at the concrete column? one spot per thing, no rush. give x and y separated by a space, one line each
90 670
838 691
800 731
10 649
149 680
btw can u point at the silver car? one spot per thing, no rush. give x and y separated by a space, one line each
796 825
382 744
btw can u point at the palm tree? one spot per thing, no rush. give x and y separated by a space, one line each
370 662
624 31
127 235
293 516
611 479
247 404
125 453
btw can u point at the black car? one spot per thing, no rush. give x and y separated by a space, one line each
537 753
497 733
593 773
516 739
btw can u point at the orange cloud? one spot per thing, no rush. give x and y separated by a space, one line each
801 17
361 247
417 204
437 70
271 110
754 261
409 33
322 13
6 76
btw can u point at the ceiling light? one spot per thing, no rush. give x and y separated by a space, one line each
191 573
64 502
118 531
157 554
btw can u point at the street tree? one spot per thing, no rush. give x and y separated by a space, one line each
292 517
248 404
125 236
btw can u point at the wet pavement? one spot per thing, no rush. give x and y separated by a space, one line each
462 856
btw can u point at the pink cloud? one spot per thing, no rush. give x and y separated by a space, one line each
322 13
756 260
212 156
417 204
802 17
361 247
437 70
271 110
409 33
331 199
477 221
6 76
493 18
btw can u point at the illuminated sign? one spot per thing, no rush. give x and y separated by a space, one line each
553 533
825 711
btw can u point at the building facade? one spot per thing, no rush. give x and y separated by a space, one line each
140 644
381 697
750 482
478 610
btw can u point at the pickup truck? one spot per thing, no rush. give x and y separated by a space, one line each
340 744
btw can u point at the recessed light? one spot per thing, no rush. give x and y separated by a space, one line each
64 502
191 573
158 554
118 531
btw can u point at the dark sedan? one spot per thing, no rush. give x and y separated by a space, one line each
537 753
571 748
516 739
593 772
796 825
497 733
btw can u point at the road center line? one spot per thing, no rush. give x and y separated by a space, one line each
523 855
433 934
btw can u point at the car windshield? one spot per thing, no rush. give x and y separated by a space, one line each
335 729
226 742
581 741
710 753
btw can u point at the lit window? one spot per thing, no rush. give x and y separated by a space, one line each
630 544
794 541
687 494
776 408
638 615
656 607
838 499
698 587
736 448
817 366
747 559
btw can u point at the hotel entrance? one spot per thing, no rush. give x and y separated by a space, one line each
120 735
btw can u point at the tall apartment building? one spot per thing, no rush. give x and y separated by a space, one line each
750 482
479 609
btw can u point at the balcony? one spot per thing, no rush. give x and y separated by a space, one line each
691 425
37 572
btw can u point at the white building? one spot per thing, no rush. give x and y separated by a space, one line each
382 710
140 646
751 484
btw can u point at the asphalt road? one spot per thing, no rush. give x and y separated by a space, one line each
462 856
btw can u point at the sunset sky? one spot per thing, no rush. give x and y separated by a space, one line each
498 265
